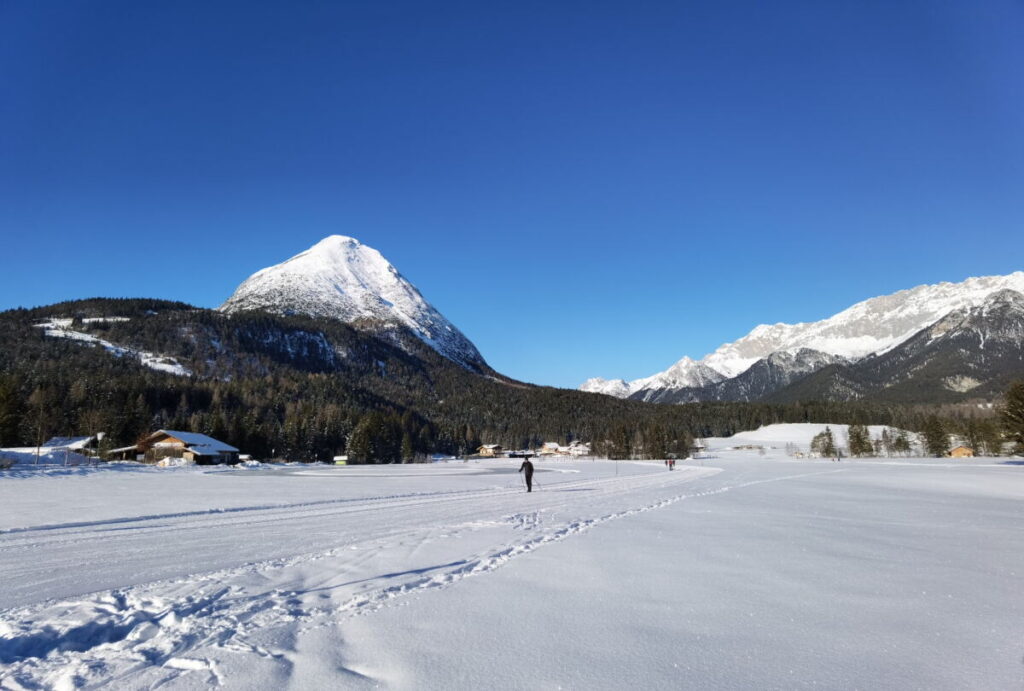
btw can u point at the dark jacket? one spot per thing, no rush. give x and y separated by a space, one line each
527 466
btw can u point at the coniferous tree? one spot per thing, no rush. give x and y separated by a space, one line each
1011 415
360 446
10 412
859 441
936 439
824 444
407 451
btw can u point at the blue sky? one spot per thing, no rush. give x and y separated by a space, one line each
584 188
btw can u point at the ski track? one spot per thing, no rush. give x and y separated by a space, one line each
165 629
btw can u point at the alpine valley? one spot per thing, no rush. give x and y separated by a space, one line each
334 351
930 344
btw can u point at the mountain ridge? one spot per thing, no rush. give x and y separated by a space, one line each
870 327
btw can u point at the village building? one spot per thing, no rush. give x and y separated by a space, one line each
961 452
578 448
190 447
85 446
575 448
490 450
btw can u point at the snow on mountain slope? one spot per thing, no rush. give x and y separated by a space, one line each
611 387
59 328
872 326
341 278
687 373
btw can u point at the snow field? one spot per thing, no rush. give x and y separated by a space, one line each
135 598
759 572
799 434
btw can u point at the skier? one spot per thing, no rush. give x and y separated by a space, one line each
528 467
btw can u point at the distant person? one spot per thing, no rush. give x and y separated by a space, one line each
528 467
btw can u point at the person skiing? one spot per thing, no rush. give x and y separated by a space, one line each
528 467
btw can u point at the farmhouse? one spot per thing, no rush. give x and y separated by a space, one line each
961 452
188 446
491 450
576 448
83 445
579 448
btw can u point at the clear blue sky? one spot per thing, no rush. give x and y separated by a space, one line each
584 188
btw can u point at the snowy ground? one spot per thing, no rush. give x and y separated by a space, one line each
746 571
797 434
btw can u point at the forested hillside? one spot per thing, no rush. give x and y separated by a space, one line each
306 389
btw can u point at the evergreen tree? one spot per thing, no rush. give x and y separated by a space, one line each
408 454
859 441
10 413
1011 415
824 444
360 447
901 443
936 439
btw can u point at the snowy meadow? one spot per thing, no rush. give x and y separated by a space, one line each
744 569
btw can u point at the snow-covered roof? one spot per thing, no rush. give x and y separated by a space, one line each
68 442
200 443
491 446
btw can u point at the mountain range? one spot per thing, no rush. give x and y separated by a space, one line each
947 342
930 343
334 346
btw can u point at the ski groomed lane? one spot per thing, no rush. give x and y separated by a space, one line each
120 590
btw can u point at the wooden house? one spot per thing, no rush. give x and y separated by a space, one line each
191 447
490 450
961 452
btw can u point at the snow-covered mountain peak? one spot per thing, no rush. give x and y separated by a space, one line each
684 374
876 325
341 278
612 387
872 326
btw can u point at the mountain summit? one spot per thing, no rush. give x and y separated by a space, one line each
341 278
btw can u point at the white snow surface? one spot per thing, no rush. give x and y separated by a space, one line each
44 455
872 326
797 434
341 278
743 572
59 328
